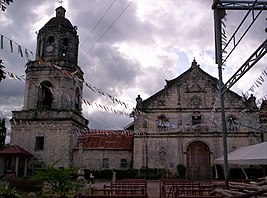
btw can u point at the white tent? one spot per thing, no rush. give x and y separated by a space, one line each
248 155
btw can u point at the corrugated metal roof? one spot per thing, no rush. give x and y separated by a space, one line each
120 139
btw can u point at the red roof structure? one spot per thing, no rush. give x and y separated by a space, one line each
14 150
120 139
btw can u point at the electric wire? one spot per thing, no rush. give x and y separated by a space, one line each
103 34
97 23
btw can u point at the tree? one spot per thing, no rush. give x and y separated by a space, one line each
60 179
2 133
4 3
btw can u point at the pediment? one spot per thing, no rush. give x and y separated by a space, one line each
195 88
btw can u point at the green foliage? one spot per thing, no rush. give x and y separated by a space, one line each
126 174
181 170
152 173
2 132
59 179
6 192
144 172
108 173
26 184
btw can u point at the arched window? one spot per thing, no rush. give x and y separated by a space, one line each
45 95
40 43
232 123
163 122
65 43
77 99
50 40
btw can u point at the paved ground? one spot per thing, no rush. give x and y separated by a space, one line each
152 187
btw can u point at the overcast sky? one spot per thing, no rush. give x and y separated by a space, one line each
149 41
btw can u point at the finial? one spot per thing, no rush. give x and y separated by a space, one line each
194 63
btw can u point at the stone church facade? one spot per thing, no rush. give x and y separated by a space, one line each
178 125
181 124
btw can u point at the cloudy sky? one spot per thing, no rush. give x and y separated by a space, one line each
132 49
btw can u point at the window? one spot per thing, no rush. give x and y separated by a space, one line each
50 40
161 102
105 163
77 100
232 123
162 122
39 143
144 124
196 119
123 163
45 97
65 43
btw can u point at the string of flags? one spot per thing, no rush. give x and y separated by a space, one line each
224 40
22 51
260 80
67 96
169 130
212 122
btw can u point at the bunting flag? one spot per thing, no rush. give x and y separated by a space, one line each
2 42
20 51
11 46
20 48
260 80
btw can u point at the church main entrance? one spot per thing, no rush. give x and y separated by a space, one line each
198 161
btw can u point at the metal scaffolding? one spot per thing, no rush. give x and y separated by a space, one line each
220 7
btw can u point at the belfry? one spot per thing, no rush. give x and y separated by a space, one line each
52 108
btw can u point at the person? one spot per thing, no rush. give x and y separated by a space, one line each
91 178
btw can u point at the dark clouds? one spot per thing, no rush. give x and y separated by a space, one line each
150 42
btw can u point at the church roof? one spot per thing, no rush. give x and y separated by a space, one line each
14 150
173 82
104 139
59 21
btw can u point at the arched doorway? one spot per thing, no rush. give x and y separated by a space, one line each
198 161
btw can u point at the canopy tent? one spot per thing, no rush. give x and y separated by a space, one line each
248 155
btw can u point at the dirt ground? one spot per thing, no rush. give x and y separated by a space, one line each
152 187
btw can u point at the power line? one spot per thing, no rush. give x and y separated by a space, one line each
98 23
106 30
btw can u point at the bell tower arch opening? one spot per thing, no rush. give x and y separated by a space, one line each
77 100
45 95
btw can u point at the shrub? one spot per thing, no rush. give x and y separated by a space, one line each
7 192
151 173
26 184
60 179
181 170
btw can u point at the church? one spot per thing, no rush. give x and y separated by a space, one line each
180 124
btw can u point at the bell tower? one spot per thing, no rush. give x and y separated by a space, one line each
52 109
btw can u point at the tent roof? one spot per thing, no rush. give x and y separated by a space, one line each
14 150
247 155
